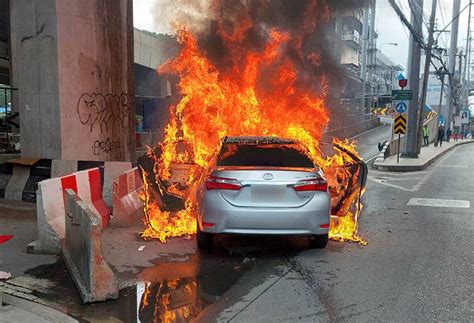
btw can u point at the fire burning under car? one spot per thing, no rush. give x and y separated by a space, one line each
254 75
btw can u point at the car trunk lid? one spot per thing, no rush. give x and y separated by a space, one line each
267 187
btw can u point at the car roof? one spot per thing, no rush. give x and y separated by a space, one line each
258 140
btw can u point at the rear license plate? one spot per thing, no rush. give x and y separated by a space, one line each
268 193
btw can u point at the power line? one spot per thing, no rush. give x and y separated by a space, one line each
442 10
418 36
419 39
415 7
454 18
402 5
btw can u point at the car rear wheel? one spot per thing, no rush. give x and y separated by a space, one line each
318 241
204 240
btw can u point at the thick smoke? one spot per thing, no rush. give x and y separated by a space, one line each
172 14
313 48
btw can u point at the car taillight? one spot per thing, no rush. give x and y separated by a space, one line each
208 225
315 184
221 183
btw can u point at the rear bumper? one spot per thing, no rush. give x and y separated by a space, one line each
226 218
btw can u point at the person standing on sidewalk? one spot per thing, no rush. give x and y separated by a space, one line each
448 134
426 135
440 135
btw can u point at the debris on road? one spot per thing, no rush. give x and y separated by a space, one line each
5 238
4 275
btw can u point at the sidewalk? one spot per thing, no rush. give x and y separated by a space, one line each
19 220
18 302
15 309
427 156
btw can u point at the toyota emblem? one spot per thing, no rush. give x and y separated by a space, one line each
268 176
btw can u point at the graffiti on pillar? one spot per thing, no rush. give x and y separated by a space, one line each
104 111
106 147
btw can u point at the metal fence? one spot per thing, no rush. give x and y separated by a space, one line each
8 137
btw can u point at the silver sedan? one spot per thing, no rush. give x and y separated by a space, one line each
265 186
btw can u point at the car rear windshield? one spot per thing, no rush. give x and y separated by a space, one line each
267 155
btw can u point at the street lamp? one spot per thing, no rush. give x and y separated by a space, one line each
391 44
381 45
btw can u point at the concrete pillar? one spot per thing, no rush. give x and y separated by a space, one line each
74 65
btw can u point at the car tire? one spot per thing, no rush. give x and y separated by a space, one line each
204 240
318 241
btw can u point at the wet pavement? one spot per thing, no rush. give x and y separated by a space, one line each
179 289
418 266
167 281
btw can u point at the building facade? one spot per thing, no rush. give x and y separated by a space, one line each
347 49
384 79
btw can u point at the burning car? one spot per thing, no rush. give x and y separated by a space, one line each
263 185
251 75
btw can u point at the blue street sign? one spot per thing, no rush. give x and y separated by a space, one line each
401 107
441 120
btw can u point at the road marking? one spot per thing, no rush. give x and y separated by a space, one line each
383 177
443 159
440 203
398 179
370 159
381 181
394 174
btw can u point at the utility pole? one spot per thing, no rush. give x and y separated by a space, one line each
468 82
426 73
411 140
468 85
467 65
363 67
441 94
372 50
448 111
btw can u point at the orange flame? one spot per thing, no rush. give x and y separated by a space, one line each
174 301
258 92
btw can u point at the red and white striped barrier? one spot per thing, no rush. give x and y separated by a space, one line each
127 206
50 206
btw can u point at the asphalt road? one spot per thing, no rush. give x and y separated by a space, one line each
418 264
417 267
367 142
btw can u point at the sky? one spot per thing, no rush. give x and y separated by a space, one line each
388 25
391 29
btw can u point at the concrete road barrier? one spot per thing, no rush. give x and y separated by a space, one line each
82 252
355 128
50 207
127 206
109 170
19 177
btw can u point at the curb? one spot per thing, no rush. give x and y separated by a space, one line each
367 131
17 205
47 313
415 168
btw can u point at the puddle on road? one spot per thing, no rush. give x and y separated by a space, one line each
171 291
162 300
